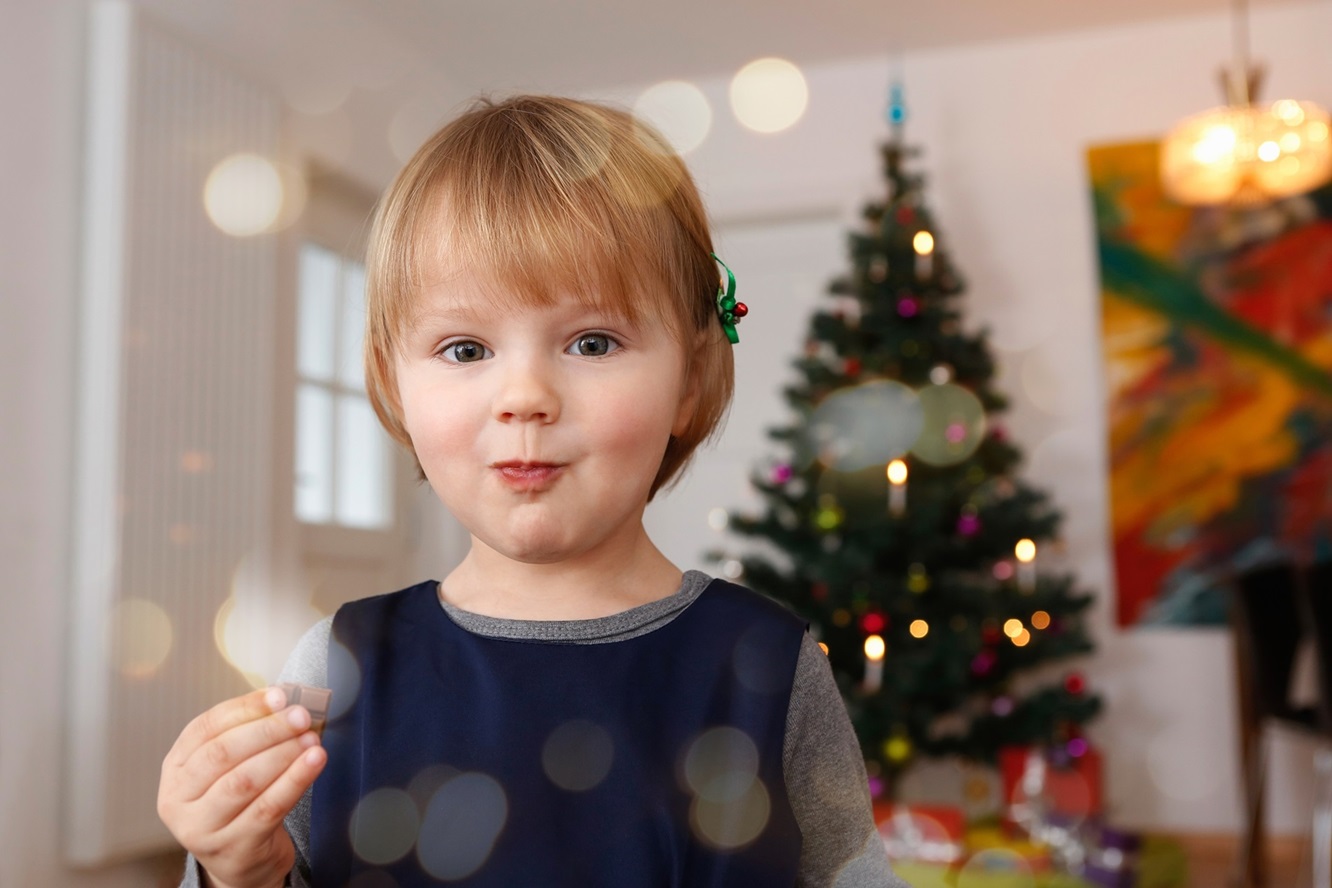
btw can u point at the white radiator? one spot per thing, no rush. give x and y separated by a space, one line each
172 475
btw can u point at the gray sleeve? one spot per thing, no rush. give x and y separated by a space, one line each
308 664
826 784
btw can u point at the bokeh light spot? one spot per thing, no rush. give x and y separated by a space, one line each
679 110
141 637
1040 620
868 425
1178 771
384 826
733 823
461 825
344 677
577 755
919 629
769 95
953 424
875 647
243 195
1013 628
996 868
721 764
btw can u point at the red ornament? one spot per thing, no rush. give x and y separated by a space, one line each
819 591
1075 684
740 310
906 215
853 366
991 635
873 622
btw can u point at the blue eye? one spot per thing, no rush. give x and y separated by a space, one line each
464 352
594 345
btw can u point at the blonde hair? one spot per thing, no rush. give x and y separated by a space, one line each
543 196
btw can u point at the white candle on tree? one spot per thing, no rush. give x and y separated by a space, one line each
875 648
1025 550
923 243
897 478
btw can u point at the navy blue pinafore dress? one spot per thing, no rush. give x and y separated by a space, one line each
502 763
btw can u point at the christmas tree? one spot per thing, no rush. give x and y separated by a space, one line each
895 523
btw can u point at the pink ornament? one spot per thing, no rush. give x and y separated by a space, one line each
1003 570
907 307
781 473
968 525
956 433
982 663
1002 706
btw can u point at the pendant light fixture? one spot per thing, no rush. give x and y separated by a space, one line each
1244 153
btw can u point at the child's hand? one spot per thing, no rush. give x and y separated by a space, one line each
230 779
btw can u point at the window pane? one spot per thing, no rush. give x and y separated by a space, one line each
365 495
351 370
318 307
314 454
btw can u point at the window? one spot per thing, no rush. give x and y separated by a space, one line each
343 457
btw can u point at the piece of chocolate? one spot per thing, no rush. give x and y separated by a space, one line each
316 700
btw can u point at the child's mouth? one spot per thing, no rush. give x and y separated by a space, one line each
529 478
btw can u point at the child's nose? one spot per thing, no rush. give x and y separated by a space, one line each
527 392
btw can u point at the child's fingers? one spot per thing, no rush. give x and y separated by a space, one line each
220 755
268 810
222 718
244 784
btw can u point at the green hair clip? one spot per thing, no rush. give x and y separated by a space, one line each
730 311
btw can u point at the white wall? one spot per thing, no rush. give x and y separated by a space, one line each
1005 128
40 97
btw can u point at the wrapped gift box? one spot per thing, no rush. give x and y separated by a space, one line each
1072 789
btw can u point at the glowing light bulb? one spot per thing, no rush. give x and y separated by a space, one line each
1040 620
1025 550
919 628
1013 628
875 647
923 243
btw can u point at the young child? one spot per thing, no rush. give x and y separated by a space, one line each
547 336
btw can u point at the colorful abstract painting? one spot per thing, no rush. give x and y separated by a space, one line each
1217 333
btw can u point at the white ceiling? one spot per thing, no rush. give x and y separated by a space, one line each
585 44
362 56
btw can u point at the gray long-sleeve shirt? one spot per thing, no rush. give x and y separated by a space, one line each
821 761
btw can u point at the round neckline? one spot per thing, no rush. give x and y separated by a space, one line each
608 628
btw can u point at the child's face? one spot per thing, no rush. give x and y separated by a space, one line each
580 391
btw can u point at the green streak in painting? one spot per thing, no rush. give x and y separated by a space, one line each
1145 280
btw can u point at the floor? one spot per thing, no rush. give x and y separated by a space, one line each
1213 861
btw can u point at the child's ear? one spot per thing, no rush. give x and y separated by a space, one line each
693 391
